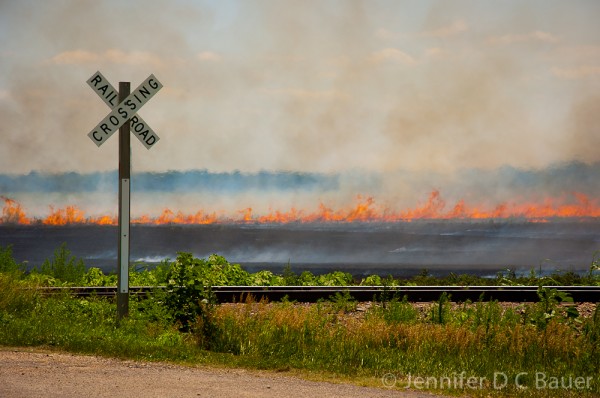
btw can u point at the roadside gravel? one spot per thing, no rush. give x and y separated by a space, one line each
27 373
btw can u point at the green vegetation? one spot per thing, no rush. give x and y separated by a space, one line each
66 270
64 266
387 343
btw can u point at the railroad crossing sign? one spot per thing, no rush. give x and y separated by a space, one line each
124 111
123 117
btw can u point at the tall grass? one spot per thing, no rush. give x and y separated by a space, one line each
477 339
87 325
391 337
483 342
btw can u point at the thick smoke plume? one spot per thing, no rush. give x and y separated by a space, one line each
308 86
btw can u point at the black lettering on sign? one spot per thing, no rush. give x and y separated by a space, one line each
96 79
139 127
131 105
144 91
143 131
123 112
109 95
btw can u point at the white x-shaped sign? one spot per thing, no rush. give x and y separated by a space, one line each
126 110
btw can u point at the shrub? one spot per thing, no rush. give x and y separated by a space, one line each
95 277
64 266
189 298
336 278
371 280
7 262
15 299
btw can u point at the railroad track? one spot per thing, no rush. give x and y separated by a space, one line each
228 294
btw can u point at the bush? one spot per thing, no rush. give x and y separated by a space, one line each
7 262
336 278
15 298
189 297
64 266
95 277
371 280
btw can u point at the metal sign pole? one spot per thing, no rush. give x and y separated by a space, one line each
124 210
124 117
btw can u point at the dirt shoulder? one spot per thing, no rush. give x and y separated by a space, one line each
30 373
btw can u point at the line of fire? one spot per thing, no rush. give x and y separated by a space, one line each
578 206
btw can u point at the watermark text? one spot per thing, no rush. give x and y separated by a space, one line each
499 381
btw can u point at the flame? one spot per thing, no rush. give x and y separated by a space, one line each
12 213
432 209
278 217
246 214
103 220
365 210
169 217
69 215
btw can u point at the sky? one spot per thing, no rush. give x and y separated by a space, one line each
352 88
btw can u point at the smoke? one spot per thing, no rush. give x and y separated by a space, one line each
171 181
347 88
585 128
232 194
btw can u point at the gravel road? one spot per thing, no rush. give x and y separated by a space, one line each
26 373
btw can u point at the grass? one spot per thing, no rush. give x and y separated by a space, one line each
396 338
317 338
441 346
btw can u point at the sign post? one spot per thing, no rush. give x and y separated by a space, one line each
124 118
124 210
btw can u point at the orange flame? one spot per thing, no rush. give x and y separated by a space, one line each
432 209
169 217
366 210
12 213
103 220
69 215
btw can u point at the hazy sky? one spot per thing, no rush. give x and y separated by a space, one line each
323 86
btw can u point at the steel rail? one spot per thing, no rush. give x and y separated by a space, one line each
229 294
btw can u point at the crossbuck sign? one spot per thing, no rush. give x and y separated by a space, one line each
124 111
123 117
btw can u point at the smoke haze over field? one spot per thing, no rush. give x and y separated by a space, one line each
231 193
393 92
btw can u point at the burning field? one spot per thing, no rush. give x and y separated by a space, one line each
472 221
365 210
363 239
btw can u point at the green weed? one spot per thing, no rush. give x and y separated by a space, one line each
344 302
395 311
64 266
8 265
